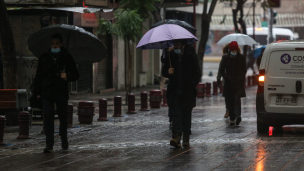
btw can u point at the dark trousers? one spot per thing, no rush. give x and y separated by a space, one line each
181 116
234 106
49 112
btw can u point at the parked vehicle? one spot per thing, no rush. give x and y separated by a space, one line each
280 95
261 34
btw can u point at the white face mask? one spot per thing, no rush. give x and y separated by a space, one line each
233 54
178 51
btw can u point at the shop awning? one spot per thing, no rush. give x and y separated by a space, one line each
69 9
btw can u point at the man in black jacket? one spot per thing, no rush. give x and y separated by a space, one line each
55 69
181 67
233 69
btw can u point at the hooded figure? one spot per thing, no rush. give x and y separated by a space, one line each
233 70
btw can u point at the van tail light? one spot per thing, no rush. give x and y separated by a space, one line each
261 81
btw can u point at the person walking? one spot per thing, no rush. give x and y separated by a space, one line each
55 69
251 59
233 69
219 76
181 67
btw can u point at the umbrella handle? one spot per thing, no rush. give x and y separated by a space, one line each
170 60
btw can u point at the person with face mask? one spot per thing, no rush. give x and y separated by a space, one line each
182 68
55 69
233 70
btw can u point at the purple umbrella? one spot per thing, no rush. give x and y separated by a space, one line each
162 37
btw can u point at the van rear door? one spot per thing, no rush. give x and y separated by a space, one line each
284 81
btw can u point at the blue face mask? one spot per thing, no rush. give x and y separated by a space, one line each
233 54
178 51
55 50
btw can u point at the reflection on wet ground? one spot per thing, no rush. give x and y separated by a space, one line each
141 142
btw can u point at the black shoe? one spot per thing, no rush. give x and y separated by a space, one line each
64 144
238 120
48 149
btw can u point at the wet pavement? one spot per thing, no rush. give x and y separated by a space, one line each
141 142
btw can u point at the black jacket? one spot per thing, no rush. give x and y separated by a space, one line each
233 71
191 76
48 82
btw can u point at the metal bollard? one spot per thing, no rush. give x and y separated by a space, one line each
85 112
164 97
201 88
155 98
144 101
131 104
2 125
24 125
208 89
103 104
70 115
221 88
249 81
215 88
117 106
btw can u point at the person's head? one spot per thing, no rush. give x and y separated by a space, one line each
179 43
56 41
233 47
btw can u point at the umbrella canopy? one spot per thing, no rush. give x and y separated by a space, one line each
258 51
162 37
241 39
183 24
82 45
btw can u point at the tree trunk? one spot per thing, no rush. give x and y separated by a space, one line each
204 38
129 73
243 25
8 50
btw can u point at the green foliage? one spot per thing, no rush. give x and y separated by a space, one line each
128 25
143 7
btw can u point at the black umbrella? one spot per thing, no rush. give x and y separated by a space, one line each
184 24
82 45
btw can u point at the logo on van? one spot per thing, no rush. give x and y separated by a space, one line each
285 58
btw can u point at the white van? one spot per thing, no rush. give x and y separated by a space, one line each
261 34
280 95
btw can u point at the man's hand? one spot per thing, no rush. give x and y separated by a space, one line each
38 97
170 49
63 75
171 71
219 85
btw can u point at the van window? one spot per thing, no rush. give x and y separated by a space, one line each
282 37
288 64
261 39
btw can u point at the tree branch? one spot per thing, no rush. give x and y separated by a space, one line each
205 7
211 9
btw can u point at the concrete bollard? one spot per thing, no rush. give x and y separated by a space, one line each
208 89
165 98
24 125
85 112
249 81
2 125
155 98
131 104
221 88
70 115
103 104
117 106
215 88
144 101
201 88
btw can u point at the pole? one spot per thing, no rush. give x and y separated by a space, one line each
194 19
270 24
253 21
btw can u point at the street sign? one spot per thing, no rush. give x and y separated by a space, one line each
264 24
